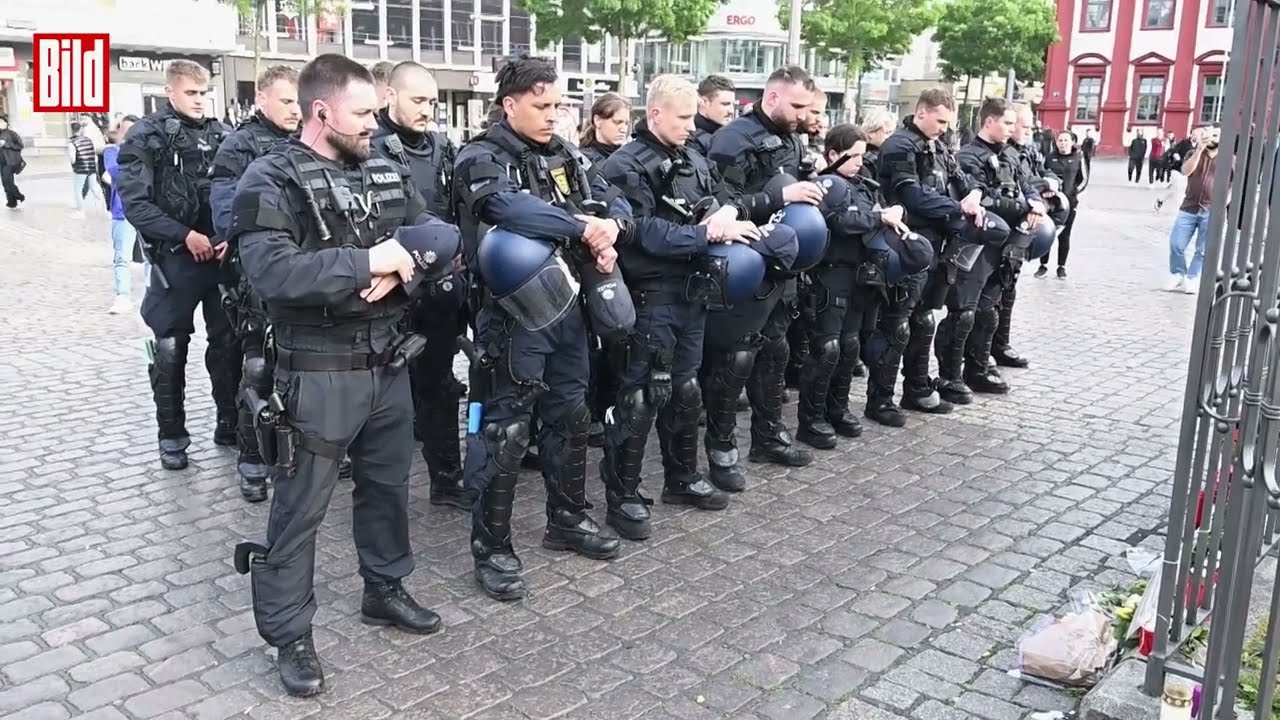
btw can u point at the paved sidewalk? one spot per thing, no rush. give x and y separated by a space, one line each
888 580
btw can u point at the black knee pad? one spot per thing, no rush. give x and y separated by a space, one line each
965 320
922 322
508 442
989 317
634 410
850 345
686 401
775 348
901 335
172 350
827 349
577 421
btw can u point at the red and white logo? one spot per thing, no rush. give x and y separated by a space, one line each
71 72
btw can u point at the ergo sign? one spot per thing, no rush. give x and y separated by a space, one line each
740 20
72 72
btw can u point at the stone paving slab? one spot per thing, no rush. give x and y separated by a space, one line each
888 580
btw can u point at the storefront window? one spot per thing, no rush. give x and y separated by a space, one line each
431 25
290 23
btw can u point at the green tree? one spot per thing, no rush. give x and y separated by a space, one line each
979 37
625 20
862 32
256 9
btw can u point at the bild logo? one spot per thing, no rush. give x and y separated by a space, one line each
71 72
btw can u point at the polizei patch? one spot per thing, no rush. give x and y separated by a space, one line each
385 178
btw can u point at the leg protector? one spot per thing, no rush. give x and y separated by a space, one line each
678 433
564 460
1001 340
765 390
505 446
977 350
798 346
726 378
837 397
883 366
953 333
168 373
816 379
626 431
223 359
915 359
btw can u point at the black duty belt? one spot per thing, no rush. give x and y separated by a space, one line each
644 298
306 361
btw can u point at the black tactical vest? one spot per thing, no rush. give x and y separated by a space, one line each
358 207
677 183
429 164
773 155
184 162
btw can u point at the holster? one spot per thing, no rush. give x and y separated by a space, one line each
408 348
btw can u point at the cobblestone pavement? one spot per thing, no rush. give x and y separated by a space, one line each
888 580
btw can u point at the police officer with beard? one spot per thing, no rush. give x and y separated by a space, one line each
313 220
520 178
163 181
847 289
812 131
658 365
919 173
437 313
1033 170
995 167
276 119
758 156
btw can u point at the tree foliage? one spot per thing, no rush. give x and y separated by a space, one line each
591 20
979 37
863 32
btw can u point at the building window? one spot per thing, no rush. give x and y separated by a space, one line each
1088 99
329 25
1211 99
491 37
1097 16
1158 15
430 25
1220 13
400 22
364 24
291 24
519 29
463 28
1150 100
571 52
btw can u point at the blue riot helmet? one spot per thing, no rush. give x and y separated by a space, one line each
528 278
900 255
811 231
729 273
1042 236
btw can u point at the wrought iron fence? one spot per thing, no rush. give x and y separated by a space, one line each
1225 508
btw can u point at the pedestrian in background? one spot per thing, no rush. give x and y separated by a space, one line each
123 236
11 163
84 169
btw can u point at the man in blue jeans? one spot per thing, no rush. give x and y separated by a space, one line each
1193 215
123 236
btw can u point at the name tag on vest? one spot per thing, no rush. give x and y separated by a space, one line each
385 178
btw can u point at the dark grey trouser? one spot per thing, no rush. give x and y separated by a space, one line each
370 413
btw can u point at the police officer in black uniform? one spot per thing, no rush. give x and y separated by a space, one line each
163 183
996 169
846 293
919 173
438 312
312 219
758 155
277 118
1032 169
521 178
716 100
658 364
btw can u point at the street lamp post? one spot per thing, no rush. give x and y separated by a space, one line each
793 33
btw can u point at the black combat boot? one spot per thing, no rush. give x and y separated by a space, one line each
721 397
949 345
388 603
168 388
497 566
224 361
577 532
441 451
568 525
299 667
770 441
